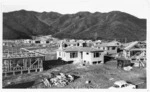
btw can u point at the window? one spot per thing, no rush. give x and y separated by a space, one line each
116 86
47 41
94 62
141 59
123 86
37 41
84 44
65 45
73 54
99 62
96 54
113 48
108 48
126 85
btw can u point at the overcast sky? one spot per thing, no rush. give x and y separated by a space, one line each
138 8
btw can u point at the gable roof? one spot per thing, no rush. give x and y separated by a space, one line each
84 49
130 45
113 43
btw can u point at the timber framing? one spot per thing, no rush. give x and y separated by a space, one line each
22 62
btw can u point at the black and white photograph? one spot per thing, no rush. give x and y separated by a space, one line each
74 44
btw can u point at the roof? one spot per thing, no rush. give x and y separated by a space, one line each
80 41
70 42
84 49
130 45
43 38
138 49
98 41
120 82
113 43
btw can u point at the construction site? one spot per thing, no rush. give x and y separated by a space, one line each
44 67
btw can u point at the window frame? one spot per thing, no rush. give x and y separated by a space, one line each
94 62
73 54
96 54
113 48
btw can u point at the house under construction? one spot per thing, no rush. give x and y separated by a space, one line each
20 62
136 52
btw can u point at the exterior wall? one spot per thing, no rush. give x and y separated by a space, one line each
144 53
100 58
66 56
59 55
126 53
28 41
71 44
33 41
43 42
76 60
86 58
101 48
111 51
81 44
89 58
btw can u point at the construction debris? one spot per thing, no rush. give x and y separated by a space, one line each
59 80
46 82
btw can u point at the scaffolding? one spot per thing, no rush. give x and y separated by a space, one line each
21 62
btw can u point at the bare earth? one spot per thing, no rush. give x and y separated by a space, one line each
101 76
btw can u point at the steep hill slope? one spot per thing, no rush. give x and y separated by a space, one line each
82 25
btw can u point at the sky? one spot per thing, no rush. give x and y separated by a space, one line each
137 8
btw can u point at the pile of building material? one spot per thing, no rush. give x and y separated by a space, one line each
59 80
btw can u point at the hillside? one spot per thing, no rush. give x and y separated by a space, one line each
82 25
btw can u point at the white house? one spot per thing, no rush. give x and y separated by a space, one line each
28 41
78 43
84 55
97 42
109 47
72 40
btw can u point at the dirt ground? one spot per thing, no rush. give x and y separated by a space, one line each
101 76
